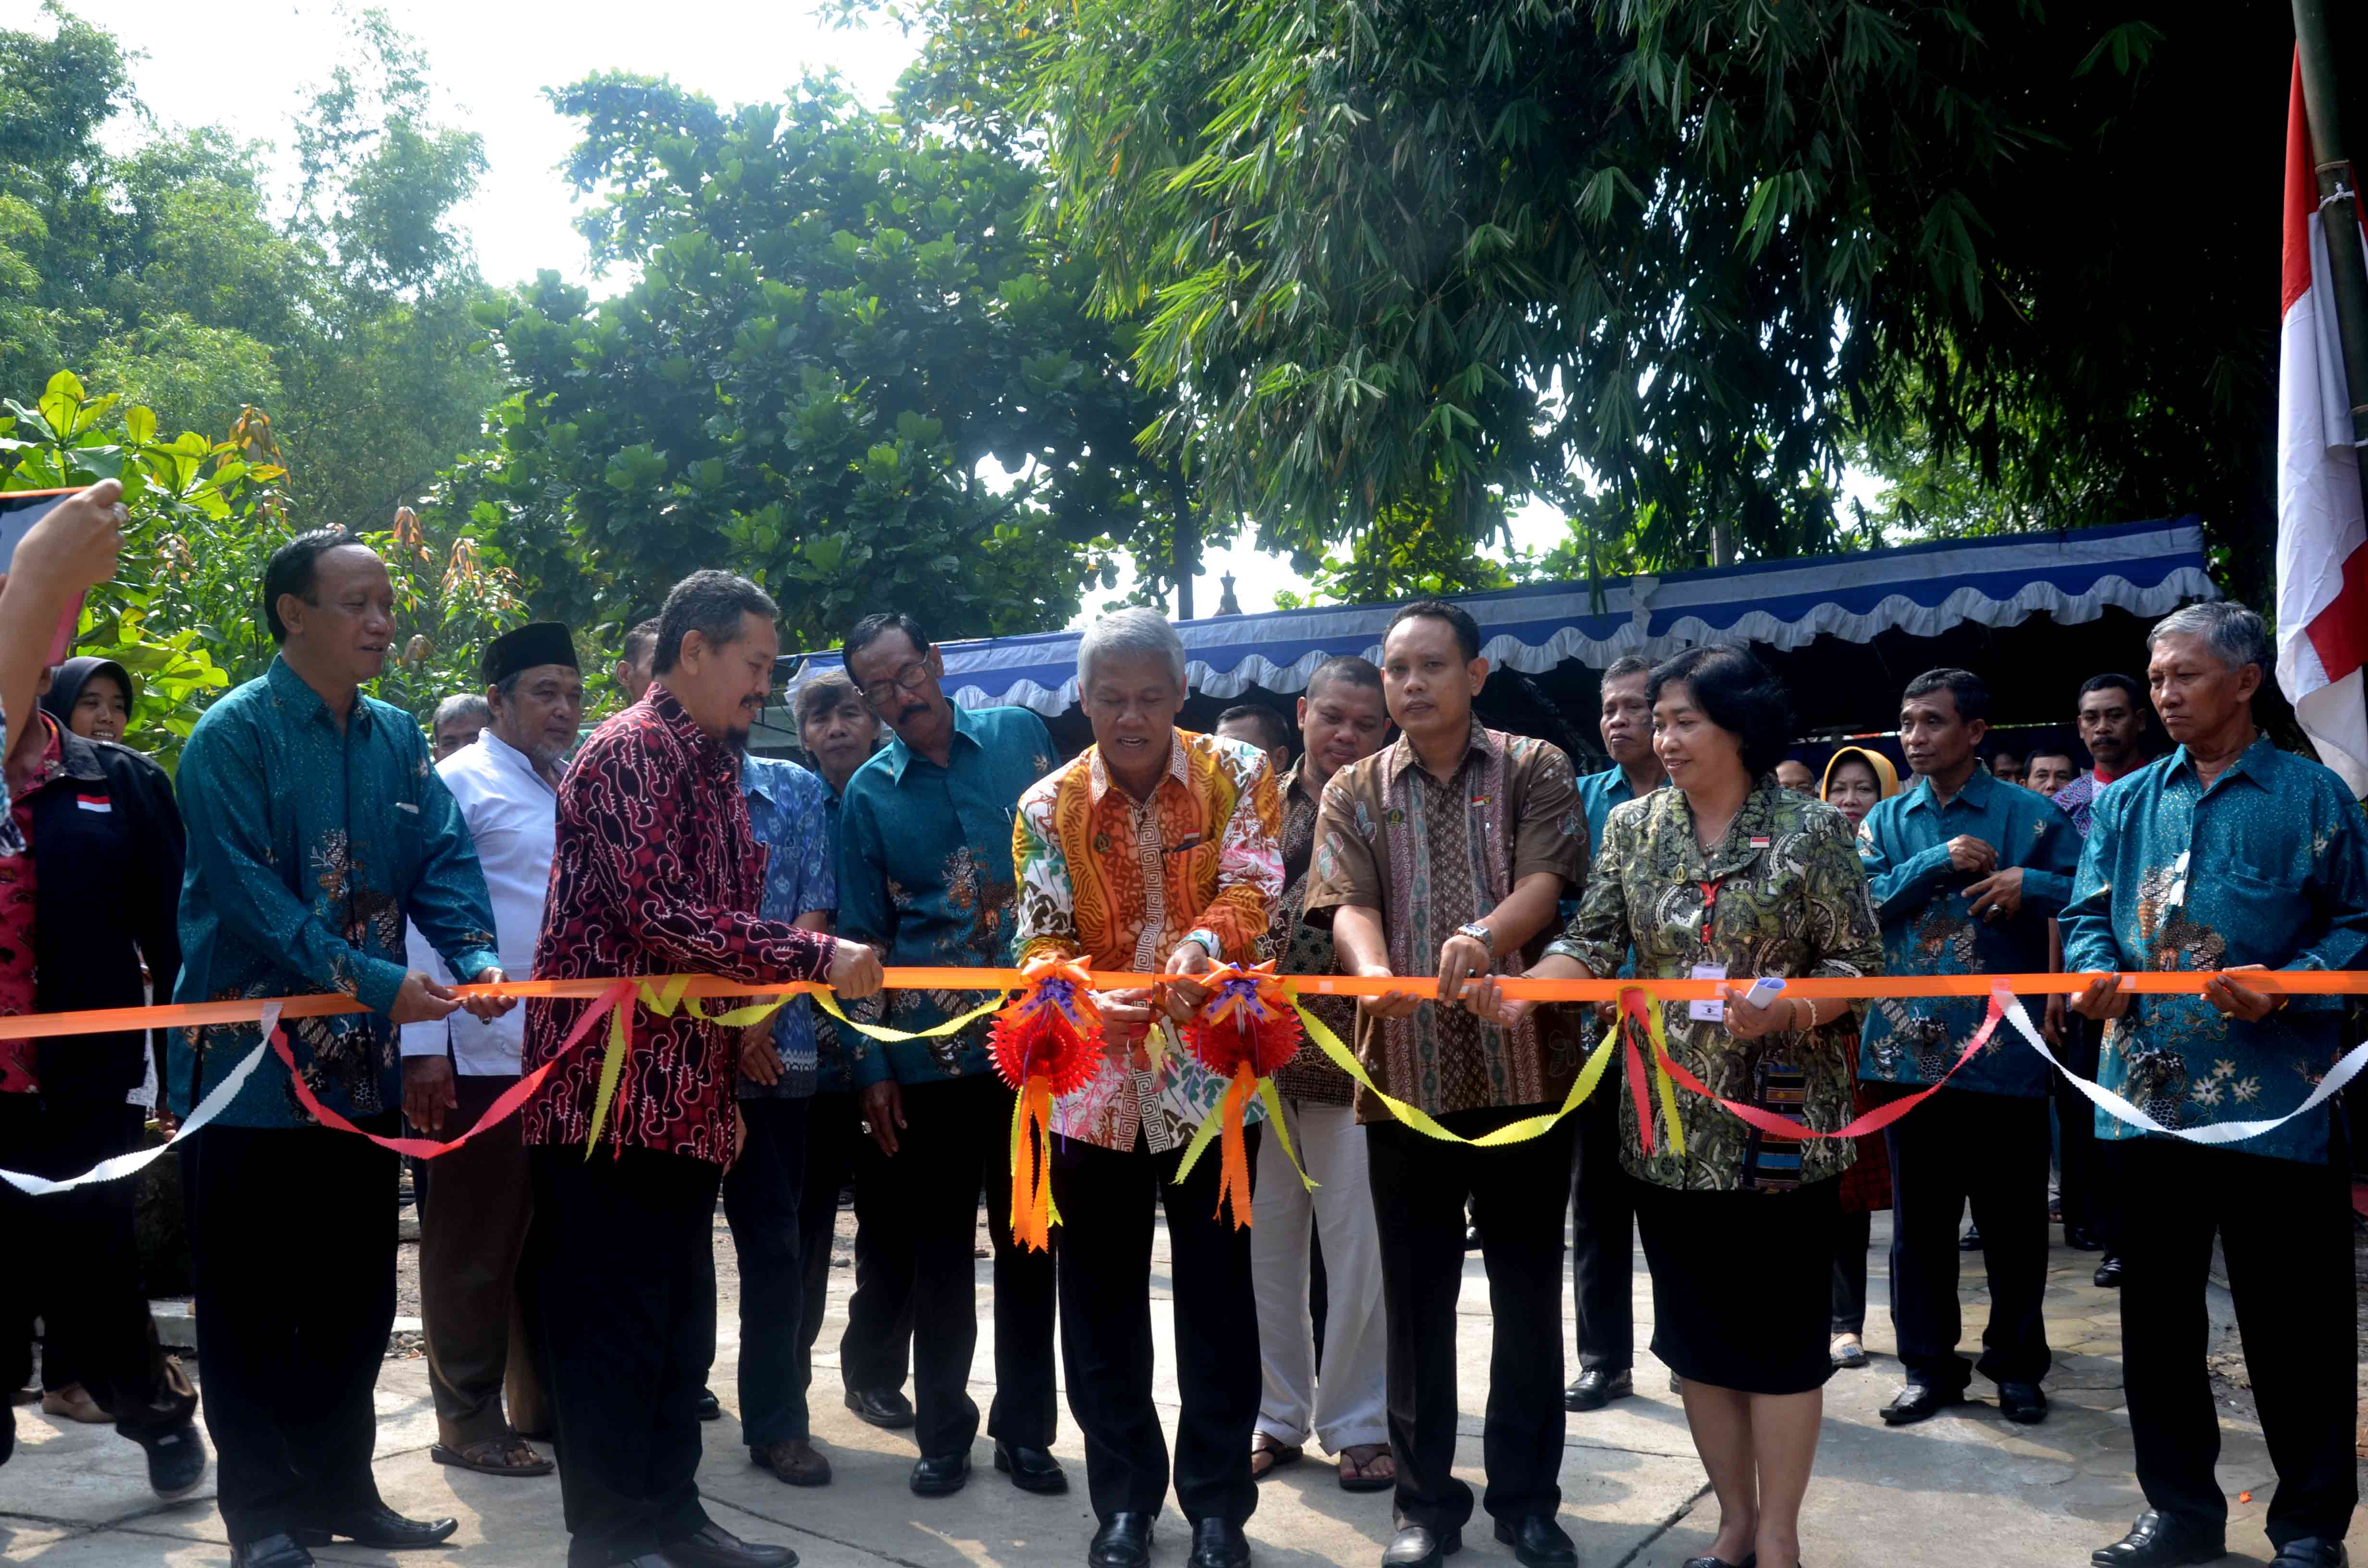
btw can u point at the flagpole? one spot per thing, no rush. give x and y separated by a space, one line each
2316 53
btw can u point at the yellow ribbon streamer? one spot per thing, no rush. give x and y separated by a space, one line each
1422 1121
829 1004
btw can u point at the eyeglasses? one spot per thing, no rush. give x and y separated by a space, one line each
881 695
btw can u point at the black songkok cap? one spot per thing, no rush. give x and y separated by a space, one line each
537 642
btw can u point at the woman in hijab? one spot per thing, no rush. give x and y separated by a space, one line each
92 697
1855 779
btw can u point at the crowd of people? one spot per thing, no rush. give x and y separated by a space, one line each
315 840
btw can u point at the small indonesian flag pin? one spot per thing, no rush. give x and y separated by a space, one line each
1759 841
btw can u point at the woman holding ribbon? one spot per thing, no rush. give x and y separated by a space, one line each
1729 877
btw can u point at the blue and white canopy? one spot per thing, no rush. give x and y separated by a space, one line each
2146 568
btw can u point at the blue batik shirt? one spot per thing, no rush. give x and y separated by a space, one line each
789 809
2269 866
1928 928
925 873
1597 793
310 845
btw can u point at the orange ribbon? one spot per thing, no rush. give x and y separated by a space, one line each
1234 1163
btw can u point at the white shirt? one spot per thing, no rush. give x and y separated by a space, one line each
513 813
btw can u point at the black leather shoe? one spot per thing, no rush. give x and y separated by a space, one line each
1123 1541
1596 1387
2109 1273
2079 1238
940 1475
1417 1547
1031 1470
2022 1404
271 1551
1216 1544
2310 1552
381 1527
2159 1540
881 1407
1471 1238
716 1547
709 1408
177 1462
1539 1542
1971 1240
1750 1560
1920 1401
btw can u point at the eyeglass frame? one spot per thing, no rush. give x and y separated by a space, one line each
907 680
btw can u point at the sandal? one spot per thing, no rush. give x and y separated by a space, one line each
1268 1455
1360 1464
495 1456
1847 1350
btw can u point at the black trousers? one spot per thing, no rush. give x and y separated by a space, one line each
1854 1234
1990 1150
879 1336
623 1261
2084 1185
1106 1199
293 1232
955 1144
761 1193
74 1262
2285 1231
1603 1237
1419 1188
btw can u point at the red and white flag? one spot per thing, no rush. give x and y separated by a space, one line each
2322 538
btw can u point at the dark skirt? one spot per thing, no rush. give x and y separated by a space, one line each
1742 1284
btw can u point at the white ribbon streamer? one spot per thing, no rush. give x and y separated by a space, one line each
204 1111
2219 1132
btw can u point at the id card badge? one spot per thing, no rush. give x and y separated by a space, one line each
1710 1012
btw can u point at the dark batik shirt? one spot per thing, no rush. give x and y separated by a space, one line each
655 871
1300 948
1431 855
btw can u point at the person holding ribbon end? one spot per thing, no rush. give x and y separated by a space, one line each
1444 855
317 828
1153 851
655 871
1729 877
2228 857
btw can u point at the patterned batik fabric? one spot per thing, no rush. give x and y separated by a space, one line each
1431 855
1930 927
2269 866
1790 902
925 875
788 811
1120 883
656 871
1299 948
18 1075
310 845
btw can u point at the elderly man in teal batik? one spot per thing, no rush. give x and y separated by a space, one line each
2228 855
1965 869
317 826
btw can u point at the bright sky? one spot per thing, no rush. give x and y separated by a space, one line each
492 62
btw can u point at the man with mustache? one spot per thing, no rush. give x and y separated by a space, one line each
654 871
925 876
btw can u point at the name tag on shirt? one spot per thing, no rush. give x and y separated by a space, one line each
1713 1012
407 806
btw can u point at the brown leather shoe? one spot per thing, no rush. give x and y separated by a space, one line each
797 1461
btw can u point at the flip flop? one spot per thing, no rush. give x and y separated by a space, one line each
1276 1456
1356 1474
495 1456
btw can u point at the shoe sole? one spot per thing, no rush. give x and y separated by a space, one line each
1910 1419
325 1538
1530 1560
2099 1560
938 1489
1044 1486
1581 1406
870 1420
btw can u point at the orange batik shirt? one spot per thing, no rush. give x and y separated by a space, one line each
1120 883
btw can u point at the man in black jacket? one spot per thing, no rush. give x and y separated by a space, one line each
94 894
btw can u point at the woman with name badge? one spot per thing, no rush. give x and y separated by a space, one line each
1727 875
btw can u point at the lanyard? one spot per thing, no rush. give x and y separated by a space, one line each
1710 905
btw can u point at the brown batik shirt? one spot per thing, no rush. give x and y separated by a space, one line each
1300 948
1431 855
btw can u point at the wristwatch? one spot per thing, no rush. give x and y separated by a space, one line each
1480 934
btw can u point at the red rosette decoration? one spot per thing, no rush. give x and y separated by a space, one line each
1045 1043
1246 1030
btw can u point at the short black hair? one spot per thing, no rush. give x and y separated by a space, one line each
640 639
291 570
1966 689
1356 671
2109 682
825 692
2063 752
1740 696
1467 631
710 603
872 628
1273 729
1623 666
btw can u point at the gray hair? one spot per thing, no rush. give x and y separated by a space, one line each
1129 633
465 706
2235 635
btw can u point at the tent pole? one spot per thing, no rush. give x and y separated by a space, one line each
2315 52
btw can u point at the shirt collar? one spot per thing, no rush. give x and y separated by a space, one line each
2254 763
1482 740
1098 778
507 756
966 728
683 727
289 690
1976 793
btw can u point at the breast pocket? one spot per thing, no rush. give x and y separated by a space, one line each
2258 917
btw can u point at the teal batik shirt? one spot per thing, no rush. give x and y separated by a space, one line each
924 874
309 847
1930 927
2269 866
788 811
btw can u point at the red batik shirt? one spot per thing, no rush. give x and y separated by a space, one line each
654 871
17 977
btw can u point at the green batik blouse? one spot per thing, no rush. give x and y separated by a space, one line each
1790 901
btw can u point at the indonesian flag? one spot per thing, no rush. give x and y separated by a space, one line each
2322 539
